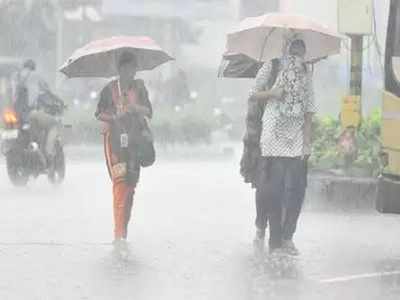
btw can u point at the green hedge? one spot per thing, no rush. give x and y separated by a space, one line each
169 127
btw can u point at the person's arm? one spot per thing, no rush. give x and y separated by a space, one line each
261 83
310 111
104 112
307 136
275 93
260 93
143 107
106 117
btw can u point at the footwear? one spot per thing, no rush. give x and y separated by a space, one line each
121 247
259 242
260 233
290 248
277 254
258 245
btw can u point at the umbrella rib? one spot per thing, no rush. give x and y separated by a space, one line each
265 43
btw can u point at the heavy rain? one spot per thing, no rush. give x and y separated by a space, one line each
199 149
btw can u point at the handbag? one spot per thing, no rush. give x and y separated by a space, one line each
145 146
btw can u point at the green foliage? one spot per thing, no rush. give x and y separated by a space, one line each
324 149
369 143
325 138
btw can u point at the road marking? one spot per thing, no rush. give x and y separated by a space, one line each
56 244
359 276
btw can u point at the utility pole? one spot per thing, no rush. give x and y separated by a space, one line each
356 64
355 19
59 41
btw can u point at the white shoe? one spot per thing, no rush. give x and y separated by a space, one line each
121 248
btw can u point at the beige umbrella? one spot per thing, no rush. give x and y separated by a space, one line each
264 38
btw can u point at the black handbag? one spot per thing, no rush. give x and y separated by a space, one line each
145 146
138 138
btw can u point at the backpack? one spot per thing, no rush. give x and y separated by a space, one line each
250 161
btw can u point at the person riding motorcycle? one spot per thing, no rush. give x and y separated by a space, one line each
37 106
26 90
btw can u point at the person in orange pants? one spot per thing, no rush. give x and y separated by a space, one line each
123 193
123 101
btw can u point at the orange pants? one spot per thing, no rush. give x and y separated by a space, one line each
122 195
123 201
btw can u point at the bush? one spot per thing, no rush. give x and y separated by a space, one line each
184 128
327 131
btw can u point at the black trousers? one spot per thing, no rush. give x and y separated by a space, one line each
261 212
280 196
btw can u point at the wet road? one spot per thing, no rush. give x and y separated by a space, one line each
191 238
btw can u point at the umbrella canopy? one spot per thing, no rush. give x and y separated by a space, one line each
263 38
100 58
236 65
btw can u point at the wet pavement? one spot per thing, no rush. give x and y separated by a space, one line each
191 238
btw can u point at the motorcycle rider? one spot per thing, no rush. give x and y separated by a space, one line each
33 105
26 90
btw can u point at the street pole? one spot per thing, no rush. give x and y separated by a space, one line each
59 42
356 65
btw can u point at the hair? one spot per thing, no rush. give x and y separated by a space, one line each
126 58
29 64
298 42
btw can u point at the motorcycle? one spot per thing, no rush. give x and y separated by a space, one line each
24 157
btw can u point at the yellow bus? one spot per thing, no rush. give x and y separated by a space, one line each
388 196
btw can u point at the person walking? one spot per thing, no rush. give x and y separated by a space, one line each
125 110
284 145
251 157
123 106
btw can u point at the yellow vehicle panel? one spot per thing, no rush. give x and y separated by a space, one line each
350 115
391 131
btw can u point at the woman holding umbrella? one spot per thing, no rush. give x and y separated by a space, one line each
285 146
122 102
284 125
125 109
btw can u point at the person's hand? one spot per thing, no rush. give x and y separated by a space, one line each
316 60
106 117
276 93
306 151
273 94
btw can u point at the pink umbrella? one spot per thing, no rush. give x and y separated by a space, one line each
264 38
100 58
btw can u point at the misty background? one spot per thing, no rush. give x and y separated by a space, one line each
194 32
